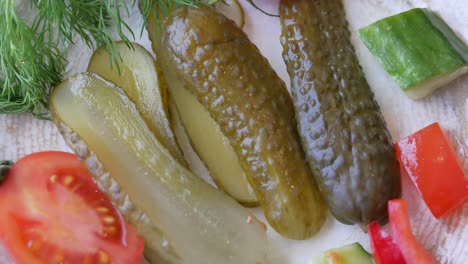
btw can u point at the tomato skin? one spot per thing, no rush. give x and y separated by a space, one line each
433 167
51 210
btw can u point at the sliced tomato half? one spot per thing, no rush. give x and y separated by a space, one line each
52 211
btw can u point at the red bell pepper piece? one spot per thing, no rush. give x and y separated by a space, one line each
403 236
434 169
384 249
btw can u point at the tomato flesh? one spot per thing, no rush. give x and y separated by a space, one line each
51 211
432 165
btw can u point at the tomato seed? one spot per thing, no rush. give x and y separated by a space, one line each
103 257
102 209
68 180
108 219
110 230
34 245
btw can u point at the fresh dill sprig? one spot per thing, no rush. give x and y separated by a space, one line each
32 57
29 65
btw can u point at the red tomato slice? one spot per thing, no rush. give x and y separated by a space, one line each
434 169
52 211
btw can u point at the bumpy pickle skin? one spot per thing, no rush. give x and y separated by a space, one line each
342 129
207 54
205 137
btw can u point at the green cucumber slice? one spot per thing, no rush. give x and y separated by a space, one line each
349 254
418 49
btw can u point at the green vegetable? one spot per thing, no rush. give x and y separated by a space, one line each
230 78
349 254
417 49
142 82
32 59
5 166
33 56
180 216
232 9
343 132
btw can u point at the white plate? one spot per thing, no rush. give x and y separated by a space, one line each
447 238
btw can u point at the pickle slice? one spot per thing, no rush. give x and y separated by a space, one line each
137 74
201 223
232 9
207 55
213 147
209 143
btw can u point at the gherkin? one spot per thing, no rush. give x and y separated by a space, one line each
344 135
205 53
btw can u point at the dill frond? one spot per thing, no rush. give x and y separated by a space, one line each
29 65
33 57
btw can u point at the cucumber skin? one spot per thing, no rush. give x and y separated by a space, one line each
343 132
415 46
214 59
348 254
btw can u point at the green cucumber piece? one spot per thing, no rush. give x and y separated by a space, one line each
349 254
418 49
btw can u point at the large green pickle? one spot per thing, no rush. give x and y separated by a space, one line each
344 135
204 52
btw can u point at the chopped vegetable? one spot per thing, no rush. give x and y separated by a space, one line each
402 247
384 248
213 147
418 49
403 236
232 9
51 211
151 189
432 165
205 135
138 75
349 254
228 76
344 135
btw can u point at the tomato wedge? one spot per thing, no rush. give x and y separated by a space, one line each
52 211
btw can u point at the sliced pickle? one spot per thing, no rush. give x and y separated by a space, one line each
209 142
202 224
137 74
213 147
207 55
232 9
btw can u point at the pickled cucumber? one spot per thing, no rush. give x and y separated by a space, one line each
138 75
344 135
205 53
150 188
206 138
